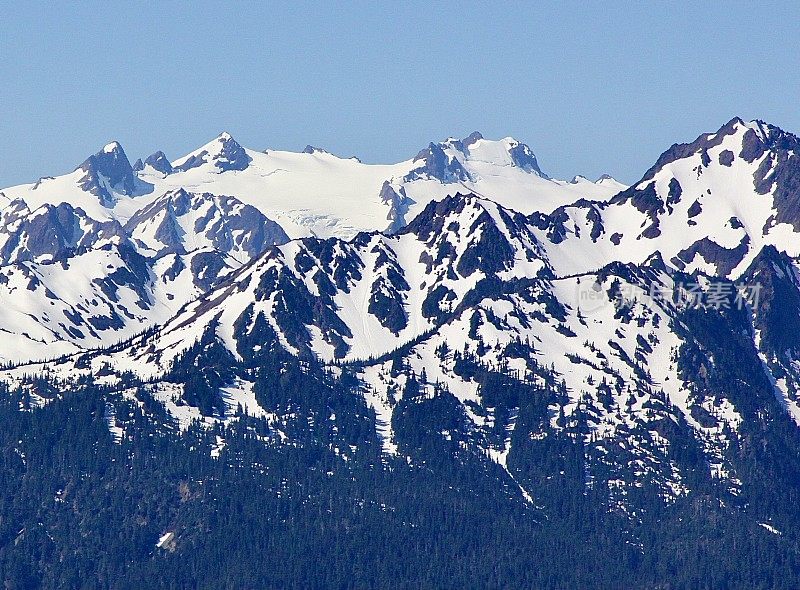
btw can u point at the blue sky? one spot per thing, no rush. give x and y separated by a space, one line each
592 87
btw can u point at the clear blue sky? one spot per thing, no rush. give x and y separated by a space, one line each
593 87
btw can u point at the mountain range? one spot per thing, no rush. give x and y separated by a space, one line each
155 235
458 308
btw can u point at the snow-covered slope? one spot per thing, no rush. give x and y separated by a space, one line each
362 298
96 298
709 205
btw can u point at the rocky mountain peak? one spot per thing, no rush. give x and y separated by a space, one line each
159 162
224 153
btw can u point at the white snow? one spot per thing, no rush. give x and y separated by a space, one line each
770 528
164 539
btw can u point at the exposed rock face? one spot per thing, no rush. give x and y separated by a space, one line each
158 161
524 158
435 163
180 221
398 203
51 232
224 153
108 169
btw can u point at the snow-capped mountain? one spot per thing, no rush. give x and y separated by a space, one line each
211 211
710 205
490 290
79 273
180 222
314 193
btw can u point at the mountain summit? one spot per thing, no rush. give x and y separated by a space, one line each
106 171
223 153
